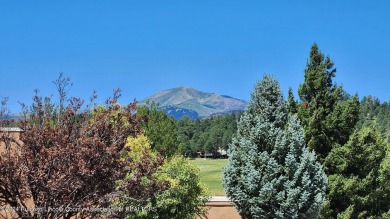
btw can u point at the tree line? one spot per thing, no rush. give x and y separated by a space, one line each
211 135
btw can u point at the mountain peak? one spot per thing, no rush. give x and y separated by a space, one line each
184 87
190 100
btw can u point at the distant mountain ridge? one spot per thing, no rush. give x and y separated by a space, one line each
187 101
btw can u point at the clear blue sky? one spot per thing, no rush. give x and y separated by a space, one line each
215 46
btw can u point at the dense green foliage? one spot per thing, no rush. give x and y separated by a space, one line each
373 113
166 188
160 129
186 196
359 179
270 173
186 136
207 135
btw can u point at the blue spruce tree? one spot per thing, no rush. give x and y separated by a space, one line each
270 172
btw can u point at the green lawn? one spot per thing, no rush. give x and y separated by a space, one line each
211 174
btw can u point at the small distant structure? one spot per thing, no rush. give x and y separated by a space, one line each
9 137
220 153
11 129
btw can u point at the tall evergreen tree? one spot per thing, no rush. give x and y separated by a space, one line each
292 104
325 117
270 173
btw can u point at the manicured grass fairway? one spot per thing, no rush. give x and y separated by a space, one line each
211 174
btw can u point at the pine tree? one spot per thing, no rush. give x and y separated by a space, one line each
326 116
292 104
270 173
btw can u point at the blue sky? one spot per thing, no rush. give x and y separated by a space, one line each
215 46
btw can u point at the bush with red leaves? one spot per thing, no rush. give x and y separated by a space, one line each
69 158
